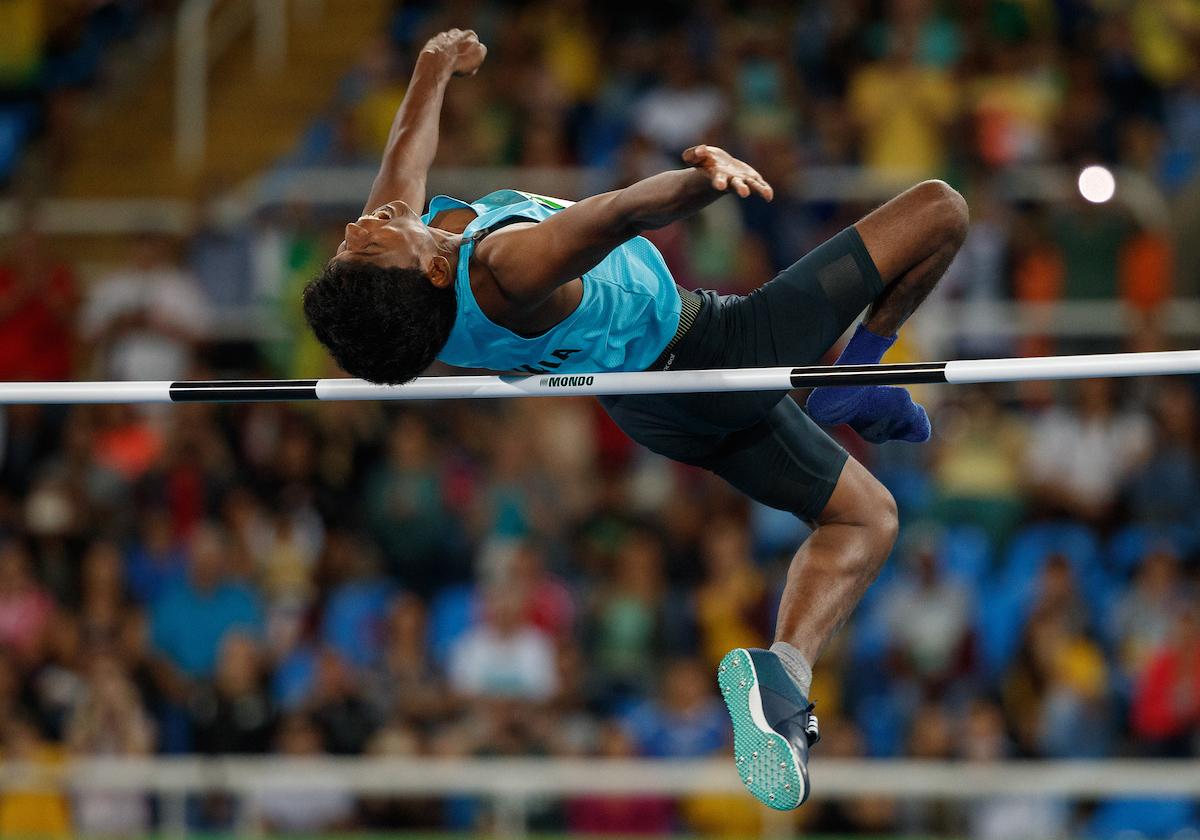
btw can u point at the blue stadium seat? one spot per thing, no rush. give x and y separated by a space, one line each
1128 546
775 531
15 127
884 725
1148 818
354 618
966 554
870 638
450 615
294 677
999 621
1033 545
910 485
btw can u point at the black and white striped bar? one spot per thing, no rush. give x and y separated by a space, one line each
601 384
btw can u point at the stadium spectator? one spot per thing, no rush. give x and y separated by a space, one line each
357 602
1144 615
684 720
933 737
684 108
146 319
1166 704
102 602
1079 457
405 682
338 707
1091 239
625 632
1056 593
155 560
1164 490
928 617
232 712
732 608
1058 695
219 256
549 604
505 656
190 619
73 494
1013 103
901 109
304 811
404 503
109 720
977 465
26 609
38 297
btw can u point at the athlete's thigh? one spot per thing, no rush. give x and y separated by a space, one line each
785 461
668 424
796 317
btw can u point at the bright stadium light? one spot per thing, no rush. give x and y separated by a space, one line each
1097 184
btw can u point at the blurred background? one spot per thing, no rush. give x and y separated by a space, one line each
385 595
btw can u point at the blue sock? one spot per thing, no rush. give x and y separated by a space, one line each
865 348
878 413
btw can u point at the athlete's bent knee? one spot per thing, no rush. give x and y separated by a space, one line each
945 209
884 522
880 524
862 502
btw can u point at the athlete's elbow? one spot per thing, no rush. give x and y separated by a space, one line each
633 220
631 214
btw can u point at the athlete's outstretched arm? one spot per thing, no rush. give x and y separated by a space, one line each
413 139
529 262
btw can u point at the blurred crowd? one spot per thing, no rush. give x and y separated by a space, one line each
467 578
508 579
51 55
905 88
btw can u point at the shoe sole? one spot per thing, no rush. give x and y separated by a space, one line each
765 761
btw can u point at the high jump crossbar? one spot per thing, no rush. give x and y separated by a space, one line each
962 372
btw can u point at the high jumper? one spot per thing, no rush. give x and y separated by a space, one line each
519 282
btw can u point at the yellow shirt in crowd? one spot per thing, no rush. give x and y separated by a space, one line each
24 32
902 112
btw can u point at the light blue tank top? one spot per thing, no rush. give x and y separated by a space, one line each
628 314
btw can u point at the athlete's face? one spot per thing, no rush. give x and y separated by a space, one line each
392 236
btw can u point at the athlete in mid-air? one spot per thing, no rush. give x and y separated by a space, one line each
520 282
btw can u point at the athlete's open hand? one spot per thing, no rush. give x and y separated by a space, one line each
724 170
461 47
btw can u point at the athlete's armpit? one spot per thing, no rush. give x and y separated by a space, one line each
530 261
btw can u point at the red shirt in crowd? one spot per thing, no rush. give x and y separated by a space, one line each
36 337
1166 703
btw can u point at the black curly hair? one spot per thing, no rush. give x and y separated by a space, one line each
384 325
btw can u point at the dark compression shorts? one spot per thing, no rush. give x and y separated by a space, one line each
761 442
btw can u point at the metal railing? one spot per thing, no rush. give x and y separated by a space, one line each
340 187
939 322
512 784
204 30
